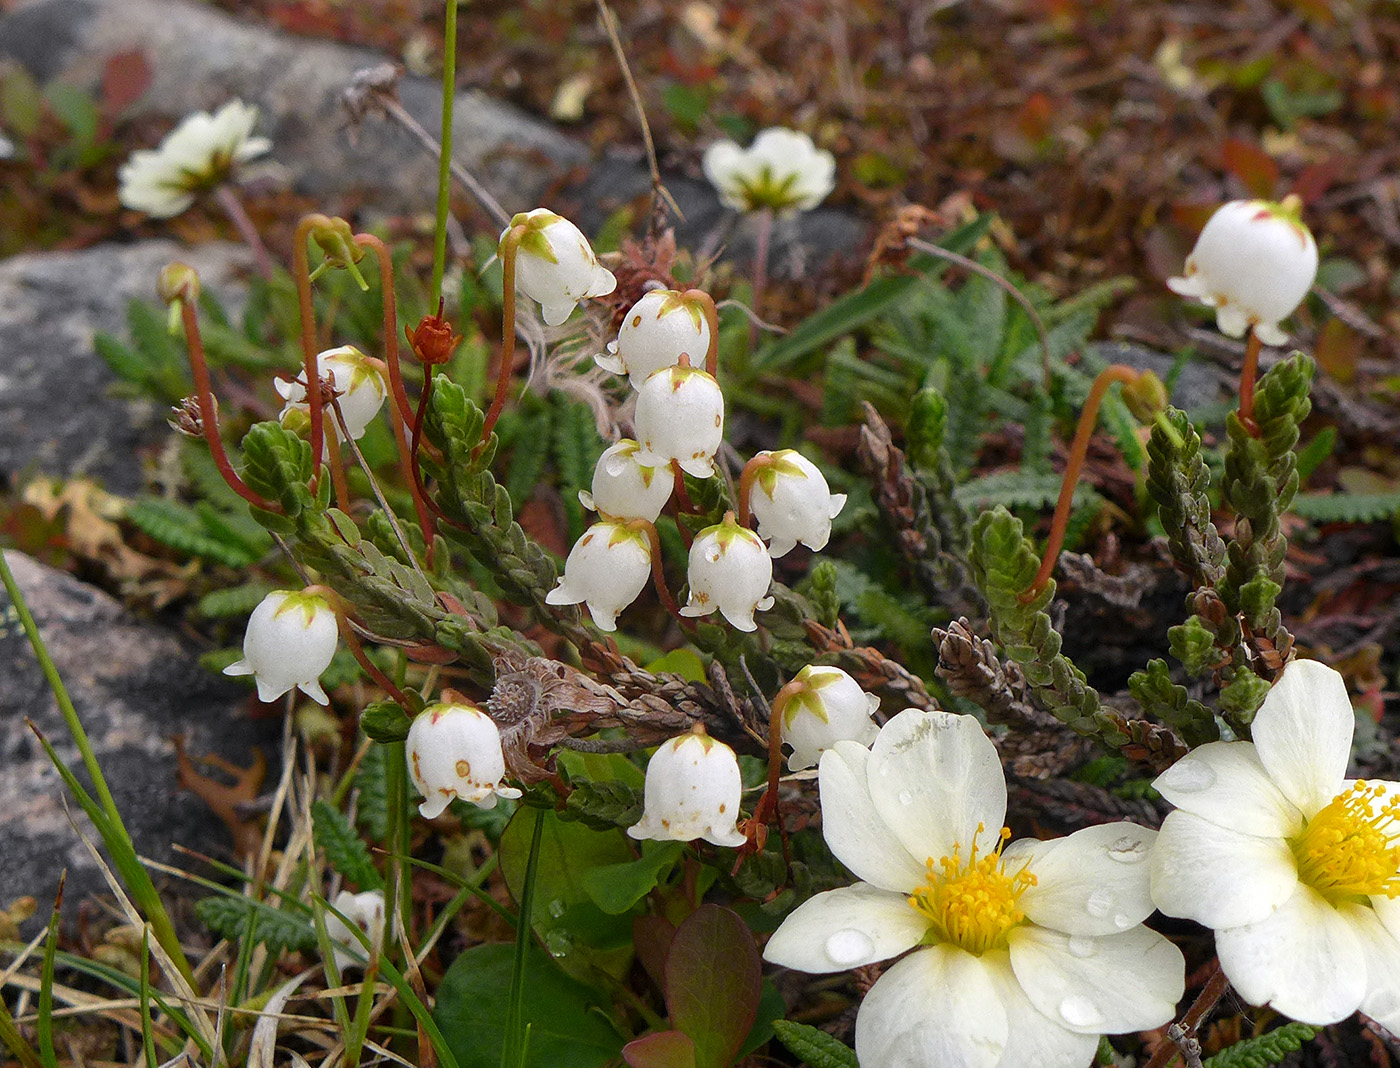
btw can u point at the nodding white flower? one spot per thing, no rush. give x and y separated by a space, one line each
454 751
1021 955
290 640
1253 263
1296 867
626 489
606 569
781 171
357 380
365 911
692 791
820 707
658 329
680 416
793 503
730 570
555 264
198 155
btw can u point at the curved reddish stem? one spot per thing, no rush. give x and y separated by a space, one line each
337 463
343 611
509 245
301 271
707 303
1247 373
658 574
681 494
746 480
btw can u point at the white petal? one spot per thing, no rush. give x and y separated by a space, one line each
1227 784
1110 985
433 807
554 314
935 778
1095 882
313 690
1303 732
1305 960
1231 320
1033 1038
936 1007
846 928
1382 950
1388 912
269 691
854 831
241 667
1270 334
1218 877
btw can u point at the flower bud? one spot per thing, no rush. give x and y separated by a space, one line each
454 751
1145 397
290 640
555 264
336 239
781 171
606 569
1254 263
792 502
658 329
365 911
624 489
177 281
692 791
359 385
820 707
730 570
680 416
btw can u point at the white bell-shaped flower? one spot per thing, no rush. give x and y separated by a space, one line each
1253 263
820 707
793 503
606 569
365 911
782 171
555 264
692 791
454 751
680 416
730 570
290 640
358 382
625 489
658 329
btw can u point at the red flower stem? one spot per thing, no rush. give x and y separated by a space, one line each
1247 374
510 244
707 303
337 464
208 417
1088 418
767 807
238 215
760 269
1206 1000
343 611
746 480
658 574
682 495
301 271
423 398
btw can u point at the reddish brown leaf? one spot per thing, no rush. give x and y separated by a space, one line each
1254 167
125 76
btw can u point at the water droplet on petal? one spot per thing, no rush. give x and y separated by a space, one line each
1082 946
848 946
1099 902
1122 922
1191 775
1079 1011
906 798
1129 849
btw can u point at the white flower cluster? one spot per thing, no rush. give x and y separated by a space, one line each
359 385
782 171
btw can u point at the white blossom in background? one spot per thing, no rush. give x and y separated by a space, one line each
454 752
1253 263
1021 956
658 330
290 640
1295 867
692 791
792 502
365 911
198 155
680 416
555 264
606 569
626 489
782 171
820 707
356 378
730 572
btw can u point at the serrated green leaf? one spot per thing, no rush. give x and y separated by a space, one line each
814 1047
182 527
228 916
1346 507
371 781
345 851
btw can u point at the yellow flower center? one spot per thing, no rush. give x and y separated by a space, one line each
972 904
1352 847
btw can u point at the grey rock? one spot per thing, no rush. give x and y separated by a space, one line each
133 685
58 414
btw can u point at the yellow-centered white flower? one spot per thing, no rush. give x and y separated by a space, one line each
365 911
606 569
358 382
198 155
692 791
1253 263
658 330
793 503
555 264
626 489
729 572
290 640
782 171
820 707
680 416
454 753
1295 867
1023 955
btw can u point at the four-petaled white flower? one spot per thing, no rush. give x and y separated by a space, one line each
782 171
820 707
365 911
692 791
1253 263
1295 867
555 264
680 416
196 156
729 571
454 752
626 489
793 503
606 569
1022 956
357 380
658 330
290 640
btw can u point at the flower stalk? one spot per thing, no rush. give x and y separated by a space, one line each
510 244
1248 372
707 305
301 272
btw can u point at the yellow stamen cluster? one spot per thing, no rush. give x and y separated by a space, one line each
972 904
1352 847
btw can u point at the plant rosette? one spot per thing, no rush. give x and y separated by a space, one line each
729 572
792 502
626 489
783 171
659 329
454 753
365 911
606 569
290 640
692 790
1022 955
680 417
820 707
1295 867
358 382
1253 263
555 264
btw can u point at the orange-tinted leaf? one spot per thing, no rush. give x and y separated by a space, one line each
125 76
664 1049
1338 349
1254 167
713 980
